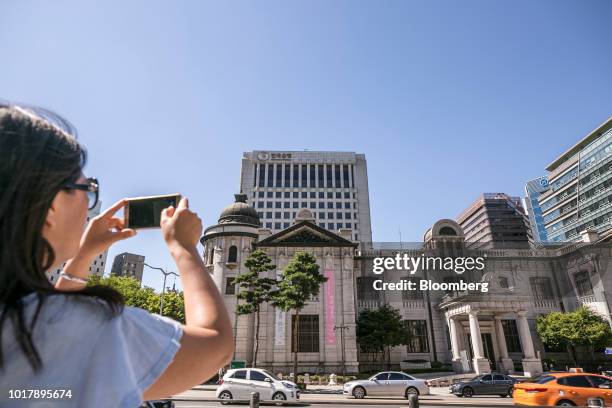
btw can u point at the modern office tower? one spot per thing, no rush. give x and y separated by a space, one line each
127 264
579 197
332 185
98 264
533 190
496 220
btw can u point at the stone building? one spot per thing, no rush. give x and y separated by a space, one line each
472 331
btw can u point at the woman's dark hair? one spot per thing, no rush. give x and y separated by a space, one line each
39 155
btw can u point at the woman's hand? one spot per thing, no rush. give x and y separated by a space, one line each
181 227
103 231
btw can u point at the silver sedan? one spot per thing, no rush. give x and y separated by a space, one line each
386 383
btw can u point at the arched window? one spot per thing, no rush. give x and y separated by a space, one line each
448 231
232 255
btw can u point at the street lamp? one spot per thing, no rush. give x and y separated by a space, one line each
161 298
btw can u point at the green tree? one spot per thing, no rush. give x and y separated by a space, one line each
582 327
380 329
300 281
144 297
255 290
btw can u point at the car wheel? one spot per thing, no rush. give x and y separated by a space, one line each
565 403
510 391
358 392
278 397
411 390
225 395
467 392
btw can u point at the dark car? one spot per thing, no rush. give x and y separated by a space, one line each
158 404
485 384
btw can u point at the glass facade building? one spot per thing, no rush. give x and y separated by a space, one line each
579 197
533 190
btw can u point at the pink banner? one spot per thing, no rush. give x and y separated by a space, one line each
330 314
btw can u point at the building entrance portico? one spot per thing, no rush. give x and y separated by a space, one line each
478 341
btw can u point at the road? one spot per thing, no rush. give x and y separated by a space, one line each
439 398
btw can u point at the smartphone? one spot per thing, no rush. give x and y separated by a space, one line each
145 212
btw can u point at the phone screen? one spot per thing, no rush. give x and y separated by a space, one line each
146 213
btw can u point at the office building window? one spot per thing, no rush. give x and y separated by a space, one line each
313 177
286 225
277 204
277 225
230 286
347 195
304 176
304 194
260 194
279 194
296 176
347 215
417 341
277 214
328 175
287 182
269 194
262 175
296 194
260 214
345 178
330 195
269 225
337 176
347 205
349 225
286 204
338 205
286 215
322 224
330 225
270 175
322 215
352 178
338 195
287 194
308 334
296 204
260 204
268 214
313 194
321 194
320 175
511 334
338 226
321 204
313 204
330 205
279 175
330 215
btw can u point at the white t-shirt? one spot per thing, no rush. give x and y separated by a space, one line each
101 361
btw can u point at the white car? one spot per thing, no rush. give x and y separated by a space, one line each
239 383
387 383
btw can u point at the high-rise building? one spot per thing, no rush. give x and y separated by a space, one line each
332 185
127 264
579 197
533 190
98 264
496 220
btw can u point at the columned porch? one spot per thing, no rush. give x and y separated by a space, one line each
478 341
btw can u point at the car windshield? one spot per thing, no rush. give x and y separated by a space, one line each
266 372
541 379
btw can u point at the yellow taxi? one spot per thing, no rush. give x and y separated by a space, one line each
563 390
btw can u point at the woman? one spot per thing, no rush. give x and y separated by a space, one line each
75 339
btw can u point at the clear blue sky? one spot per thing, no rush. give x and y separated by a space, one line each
447 99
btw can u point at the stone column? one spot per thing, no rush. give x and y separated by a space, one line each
507 364
481 364
531 364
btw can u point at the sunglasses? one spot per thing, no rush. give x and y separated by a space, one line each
92 188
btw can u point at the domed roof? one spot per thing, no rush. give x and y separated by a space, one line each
239 212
